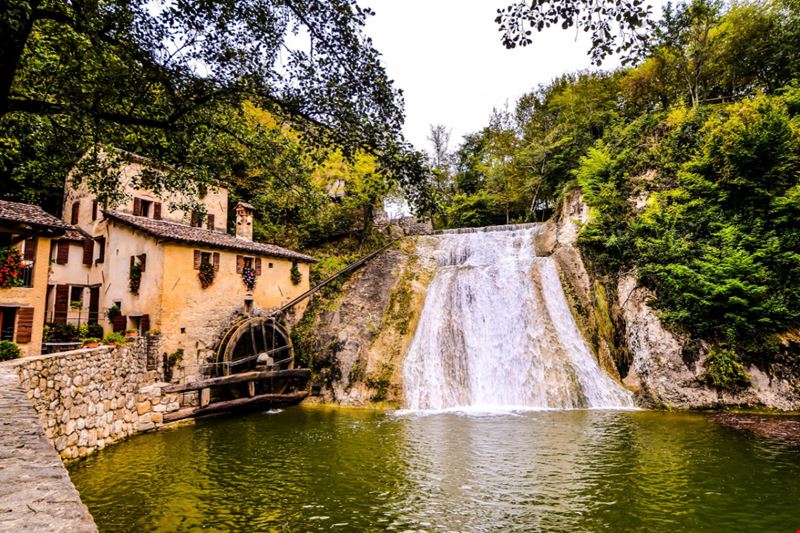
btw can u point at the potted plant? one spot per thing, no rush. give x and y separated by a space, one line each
114 339
135 278
154 333
206 274
113 312
131 333
11 266
249 278
76 305
91 342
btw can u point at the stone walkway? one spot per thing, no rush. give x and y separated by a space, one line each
36 493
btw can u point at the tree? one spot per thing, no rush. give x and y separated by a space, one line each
148 76
615 26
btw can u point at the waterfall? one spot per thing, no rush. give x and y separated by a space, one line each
496 332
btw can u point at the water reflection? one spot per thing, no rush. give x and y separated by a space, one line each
316 469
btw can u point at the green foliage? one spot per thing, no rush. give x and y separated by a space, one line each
135 277
380 382
10 267
724 371
91 340
9 351
55 332
114 337
94 330
471 211
295 274
175 357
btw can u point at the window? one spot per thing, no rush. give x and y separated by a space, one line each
101 249
248 307
196 219
205 257
248 262
142 207
8 316
271 265
75 211
76 295
94 210
210 222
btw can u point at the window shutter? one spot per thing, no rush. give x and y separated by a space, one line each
258 266
24 325
137 207
143 261
239 264
94 210
198 256
101 251
157 211
62 252
144 322
216 261
211 222
61 304
30 248
75 211
88 251
119 323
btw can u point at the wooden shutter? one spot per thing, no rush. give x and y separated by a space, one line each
137 206
144 323
94 305
215 258
24 325
101 251
30 248
62 252
94 210
88 251
239 264
157 211
62 302
198 257
211 222
143 261
76 206
119 323
258 266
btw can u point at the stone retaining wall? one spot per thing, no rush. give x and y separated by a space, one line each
87 399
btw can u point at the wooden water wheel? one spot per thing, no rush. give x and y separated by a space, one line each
255 343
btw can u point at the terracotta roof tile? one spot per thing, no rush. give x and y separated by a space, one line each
30 214
172 231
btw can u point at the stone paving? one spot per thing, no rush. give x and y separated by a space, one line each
36 493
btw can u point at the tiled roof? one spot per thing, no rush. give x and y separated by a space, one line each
30 214
172 231
76 234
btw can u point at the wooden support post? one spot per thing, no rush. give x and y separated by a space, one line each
251 388
205 397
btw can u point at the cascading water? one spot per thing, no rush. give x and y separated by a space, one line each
497 332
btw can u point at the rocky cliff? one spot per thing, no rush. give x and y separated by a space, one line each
664 369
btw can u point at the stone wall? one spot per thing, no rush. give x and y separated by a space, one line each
87 399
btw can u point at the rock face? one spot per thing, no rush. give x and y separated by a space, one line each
668 372
362 339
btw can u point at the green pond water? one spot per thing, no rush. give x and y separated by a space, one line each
311 468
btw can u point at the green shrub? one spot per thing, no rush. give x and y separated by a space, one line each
175 357
95 330
9 350
90 340
724 371
295 274
54 332
114 338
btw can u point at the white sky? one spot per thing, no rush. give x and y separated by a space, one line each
447 57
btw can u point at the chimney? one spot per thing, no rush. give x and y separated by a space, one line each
244 221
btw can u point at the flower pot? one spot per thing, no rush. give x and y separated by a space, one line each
90 345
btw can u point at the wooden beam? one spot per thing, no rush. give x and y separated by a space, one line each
296 373
263 399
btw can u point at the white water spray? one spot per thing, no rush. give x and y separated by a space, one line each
497 332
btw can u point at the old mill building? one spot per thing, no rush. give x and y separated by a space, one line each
141 265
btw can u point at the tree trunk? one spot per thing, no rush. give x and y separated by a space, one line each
15 27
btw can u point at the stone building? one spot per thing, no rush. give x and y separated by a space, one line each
28 230
145 264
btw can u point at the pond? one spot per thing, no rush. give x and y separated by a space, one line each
315 468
